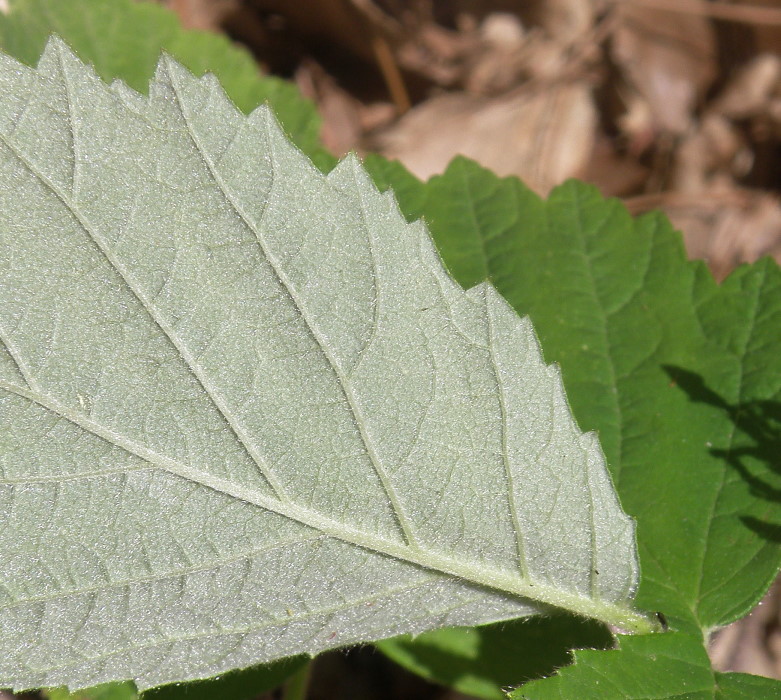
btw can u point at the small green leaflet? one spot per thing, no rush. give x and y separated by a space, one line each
244 411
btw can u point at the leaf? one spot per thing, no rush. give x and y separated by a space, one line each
482 661
124 38
742 686
656 357
92 29
656 666
244 684
246 412
681 377
106 691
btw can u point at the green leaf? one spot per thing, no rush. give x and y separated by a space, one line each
482 661
245 412
123 39
652 666
680 377
107 691
742 686
236 685
411 193
656 666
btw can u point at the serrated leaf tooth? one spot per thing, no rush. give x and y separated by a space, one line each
220 366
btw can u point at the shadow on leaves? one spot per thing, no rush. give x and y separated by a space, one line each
758 420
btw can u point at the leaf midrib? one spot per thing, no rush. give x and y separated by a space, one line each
480 575
473 573
253 496
342 379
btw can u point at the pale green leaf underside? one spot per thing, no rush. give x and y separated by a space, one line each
244 412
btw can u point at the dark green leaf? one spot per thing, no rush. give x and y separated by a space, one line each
652 667
680 377
481 661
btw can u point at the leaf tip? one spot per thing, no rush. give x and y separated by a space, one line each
54 51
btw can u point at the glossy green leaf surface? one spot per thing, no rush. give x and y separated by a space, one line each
246 414
124 39
679 376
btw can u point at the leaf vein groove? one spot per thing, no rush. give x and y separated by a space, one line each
508 474
224 631
342 377
16 357
149 308
478 575
163 576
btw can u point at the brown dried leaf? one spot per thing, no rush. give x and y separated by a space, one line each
340 111
714 151
565 20
752 88
203 14
543 137
753 643
725 226
668 58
